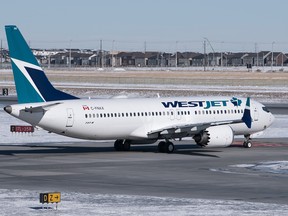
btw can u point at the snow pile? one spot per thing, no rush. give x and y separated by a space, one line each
276 167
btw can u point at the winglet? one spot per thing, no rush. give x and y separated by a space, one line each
247 114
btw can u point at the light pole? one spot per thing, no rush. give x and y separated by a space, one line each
213 60
272 58
70 53
176 57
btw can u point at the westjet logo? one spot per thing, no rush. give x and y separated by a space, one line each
205 104
85 107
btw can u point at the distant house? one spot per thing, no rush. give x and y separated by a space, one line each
278 58
152 59
198 60
127 59
236 59
214 59
185 59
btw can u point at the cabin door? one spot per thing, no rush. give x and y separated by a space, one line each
70 117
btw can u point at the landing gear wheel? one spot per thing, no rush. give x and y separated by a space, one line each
247 143
166 147
169 147
121 145
126 145
161 147
118 145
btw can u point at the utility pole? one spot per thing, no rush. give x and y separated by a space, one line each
272 58
176 55
204 55
257 54
70 53
112 62
145 49
1 54
222 55
101 56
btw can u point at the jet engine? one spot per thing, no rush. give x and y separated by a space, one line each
216 136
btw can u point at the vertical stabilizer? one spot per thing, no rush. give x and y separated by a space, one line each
31 83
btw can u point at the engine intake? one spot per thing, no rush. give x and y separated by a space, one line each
216 136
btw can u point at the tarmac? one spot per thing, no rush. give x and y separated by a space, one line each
190 172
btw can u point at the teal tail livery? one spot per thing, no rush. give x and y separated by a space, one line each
208 121
32 85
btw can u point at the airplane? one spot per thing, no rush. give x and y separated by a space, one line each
210 121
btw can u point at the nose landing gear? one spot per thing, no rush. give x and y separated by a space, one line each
247 143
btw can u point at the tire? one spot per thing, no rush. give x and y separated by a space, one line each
161 147
118 145
247 144
126 146
169 147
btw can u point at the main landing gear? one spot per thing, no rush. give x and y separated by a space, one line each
122 145
247 143
166 147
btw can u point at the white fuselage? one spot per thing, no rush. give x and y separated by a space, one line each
134 119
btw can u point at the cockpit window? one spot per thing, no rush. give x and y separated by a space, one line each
266 109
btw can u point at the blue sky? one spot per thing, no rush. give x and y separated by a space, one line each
165 25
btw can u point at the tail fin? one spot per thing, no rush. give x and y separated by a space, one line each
31 83
247 114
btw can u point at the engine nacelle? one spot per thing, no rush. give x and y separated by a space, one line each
216 136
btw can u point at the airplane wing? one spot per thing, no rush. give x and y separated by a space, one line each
179 131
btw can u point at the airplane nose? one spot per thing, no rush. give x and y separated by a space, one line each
272 118
8 109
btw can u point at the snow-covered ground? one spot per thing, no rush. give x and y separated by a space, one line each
21 202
